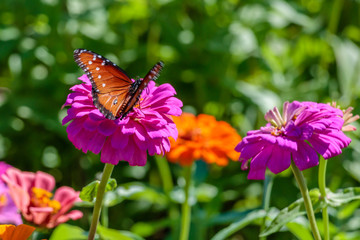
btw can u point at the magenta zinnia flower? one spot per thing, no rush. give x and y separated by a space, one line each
145 129
300 133
9 213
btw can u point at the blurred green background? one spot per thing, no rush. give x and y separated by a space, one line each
232 59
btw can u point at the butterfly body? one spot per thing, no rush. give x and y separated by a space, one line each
113 91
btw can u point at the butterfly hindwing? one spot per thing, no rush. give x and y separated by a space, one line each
139 86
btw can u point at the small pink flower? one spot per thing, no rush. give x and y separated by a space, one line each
31 193
348 118
8 211
146 128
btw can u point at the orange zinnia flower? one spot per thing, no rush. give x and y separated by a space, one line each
203 137
11 232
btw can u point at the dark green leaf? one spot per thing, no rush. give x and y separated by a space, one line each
243 222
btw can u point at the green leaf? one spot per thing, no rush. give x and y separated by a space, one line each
347 56
291 212
243 222
343 196
134 191
299 230
146 229
88 193
348 210
206 192
143 229
297 208
111 185
228 217
113 234
348 235
68 232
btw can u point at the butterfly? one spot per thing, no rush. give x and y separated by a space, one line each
113 91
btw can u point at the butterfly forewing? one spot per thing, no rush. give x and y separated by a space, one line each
139 86
110 84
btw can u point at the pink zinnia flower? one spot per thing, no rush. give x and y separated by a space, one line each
300 133
348 118
8 211
146 128
31 193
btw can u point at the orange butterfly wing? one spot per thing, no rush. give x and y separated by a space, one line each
139 86
111 86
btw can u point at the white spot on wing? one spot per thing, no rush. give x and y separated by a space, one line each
100 77
90 62
97 69
103 84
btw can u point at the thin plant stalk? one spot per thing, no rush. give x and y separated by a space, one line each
335 14
167 182
186 209
307 201
99 198
322 188
165 173
105 216
268 183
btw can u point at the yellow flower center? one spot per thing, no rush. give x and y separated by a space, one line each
41 198
137 105
3 200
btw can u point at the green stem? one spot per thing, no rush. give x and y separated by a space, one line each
269 180
166 178
105 216
307 201
165 174
186 210
335 15
322 187
99 198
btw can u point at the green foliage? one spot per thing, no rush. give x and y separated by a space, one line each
68 232
134 191
229 58
296 209
88 193
112 234
299 230
237 226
